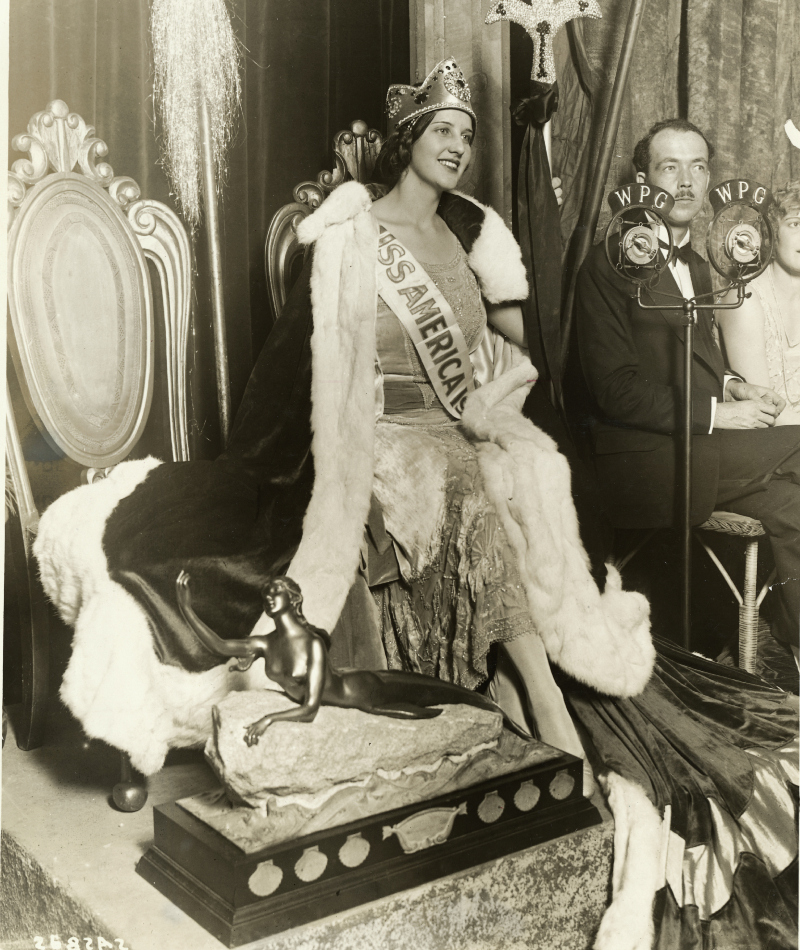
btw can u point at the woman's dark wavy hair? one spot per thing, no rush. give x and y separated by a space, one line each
395 154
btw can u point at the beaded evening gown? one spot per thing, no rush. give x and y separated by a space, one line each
459 590
783 352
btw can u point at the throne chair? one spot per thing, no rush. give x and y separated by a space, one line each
82 338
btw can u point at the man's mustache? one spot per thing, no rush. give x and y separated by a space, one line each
685 194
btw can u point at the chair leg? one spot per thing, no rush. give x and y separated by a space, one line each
748 611
130 793
621 562
34 631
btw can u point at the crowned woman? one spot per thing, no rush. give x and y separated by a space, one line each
380 446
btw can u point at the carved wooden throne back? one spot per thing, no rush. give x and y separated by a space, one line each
82 334
80 299
354 152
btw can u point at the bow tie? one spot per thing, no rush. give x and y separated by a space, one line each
680 253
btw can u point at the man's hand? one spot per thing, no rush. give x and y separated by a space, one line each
748 406
737 390
745 414
558 190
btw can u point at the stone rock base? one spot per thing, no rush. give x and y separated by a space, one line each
340 745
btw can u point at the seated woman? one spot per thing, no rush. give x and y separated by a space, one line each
343 424
762 337
380 400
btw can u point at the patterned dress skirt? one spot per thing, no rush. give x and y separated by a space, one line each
460 591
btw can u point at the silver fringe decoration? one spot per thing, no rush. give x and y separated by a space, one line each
195 52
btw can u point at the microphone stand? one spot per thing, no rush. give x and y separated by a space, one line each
689 310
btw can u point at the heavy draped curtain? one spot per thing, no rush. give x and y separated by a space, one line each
310 68
730 66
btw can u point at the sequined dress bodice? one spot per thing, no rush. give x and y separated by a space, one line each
405 384
783 359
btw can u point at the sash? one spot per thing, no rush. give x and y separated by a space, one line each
428 319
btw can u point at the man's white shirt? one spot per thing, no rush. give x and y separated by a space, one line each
683 278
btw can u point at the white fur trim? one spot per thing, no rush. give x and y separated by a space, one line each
638 835
600 639
496 259
68 545
114 683
343 204
344 297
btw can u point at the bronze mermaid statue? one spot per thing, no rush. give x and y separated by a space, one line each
296 658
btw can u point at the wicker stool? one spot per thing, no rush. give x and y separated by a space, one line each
740 526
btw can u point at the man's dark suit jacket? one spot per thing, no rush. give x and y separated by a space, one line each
632 360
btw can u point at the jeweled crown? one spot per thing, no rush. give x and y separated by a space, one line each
443 88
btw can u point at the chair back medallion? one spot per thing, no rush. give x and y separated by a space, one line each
80 304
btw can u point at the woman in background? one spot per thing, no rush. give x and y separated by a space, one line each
377 402
762 337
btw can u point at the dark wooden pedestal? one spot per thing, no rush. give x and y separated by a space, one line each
240 897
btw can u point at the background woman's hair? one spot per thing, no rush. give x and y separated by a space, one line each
787 198
395 154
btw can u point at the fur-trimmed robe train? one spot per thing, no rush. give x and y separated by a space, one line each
142 699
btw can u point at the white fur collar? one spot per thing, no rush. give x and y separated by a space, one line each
495 256
343 204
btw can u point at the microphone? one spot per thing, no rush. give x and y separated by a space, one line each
739 240
631 241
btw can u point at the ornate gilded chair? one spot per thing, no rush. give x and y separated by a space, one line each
354 153
82 332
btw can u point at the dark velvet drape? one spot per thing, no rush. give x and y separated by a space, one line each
308 70
312 68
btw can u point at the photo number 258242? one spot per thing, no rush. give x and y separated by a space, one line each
77 943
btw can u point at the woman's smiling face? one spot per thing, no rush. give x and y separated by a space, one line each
787 243
441 154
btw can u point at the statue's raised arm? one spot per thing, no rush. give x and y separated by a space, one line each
244 649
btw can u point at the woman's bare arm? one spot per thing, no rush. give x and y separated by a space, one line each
507 318
743 335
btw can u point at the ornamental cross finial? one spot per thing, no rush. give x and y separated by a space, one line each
542 19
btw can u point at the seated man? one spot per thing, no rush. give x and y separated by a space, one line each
633 363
